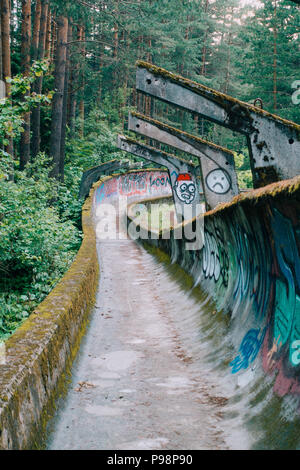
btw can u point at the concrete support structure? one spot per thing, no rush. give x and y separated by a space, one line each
186 184
274 143
219 179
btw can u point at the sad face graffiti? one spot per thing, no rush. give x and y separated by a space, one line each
218 181
185 188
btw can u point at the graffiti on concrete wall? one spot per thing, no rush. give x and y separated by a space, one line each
218 181
159 181
252 258
106 190
133 184
248 350
185 188
145 183
215 261
253 262
287 297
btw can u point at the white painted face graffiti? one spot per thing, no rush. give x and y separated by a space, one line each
185 188
218 181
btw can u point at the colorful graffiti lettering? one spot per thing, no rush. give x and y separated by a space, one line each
252 277
100 193
287 300
211 261
215 258
158 181
111 188
248 349
133 184
295 356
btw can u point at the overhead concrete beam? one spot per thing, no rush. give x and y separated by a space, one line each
183 176
216 162
274 143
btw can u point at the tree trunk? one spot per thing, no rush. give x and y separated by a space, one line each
53 37
65 109
73 84
57 104
48 36
36 29
6 54
228 63
204 50
1 63
81 103
5 30
275 33
38 85
25 66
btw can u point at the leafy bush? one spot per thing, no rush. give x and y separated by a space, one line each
20 101
38 240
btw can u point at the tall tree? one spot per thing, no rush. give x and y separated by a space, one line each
58 99
6 53
25 64
36 29
65 107
36 113
6 49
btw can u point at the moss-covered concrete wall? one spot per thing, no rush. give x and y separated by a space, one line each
39 354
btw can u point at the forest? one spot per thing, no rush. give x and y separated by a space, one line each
67 82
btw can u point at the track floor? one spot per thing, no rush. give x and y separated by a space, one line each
134 384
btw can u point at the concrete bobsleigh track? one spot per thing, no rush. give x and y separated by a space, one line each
186 349
234 307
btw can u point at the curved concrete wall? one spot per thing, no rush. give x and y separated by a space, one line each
250 268
134 185
40 353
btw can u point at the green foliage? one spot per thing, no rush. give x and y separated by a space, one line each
19 102
38 240
243 171
268 57
98 146
245 179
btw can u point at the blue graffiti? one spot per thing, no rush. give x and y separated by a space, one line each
100 193
159 181
248 349
252 261
287 300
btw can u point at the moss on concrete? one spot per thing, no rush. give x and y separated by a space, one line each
255 196
153 149
179 132
222 99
